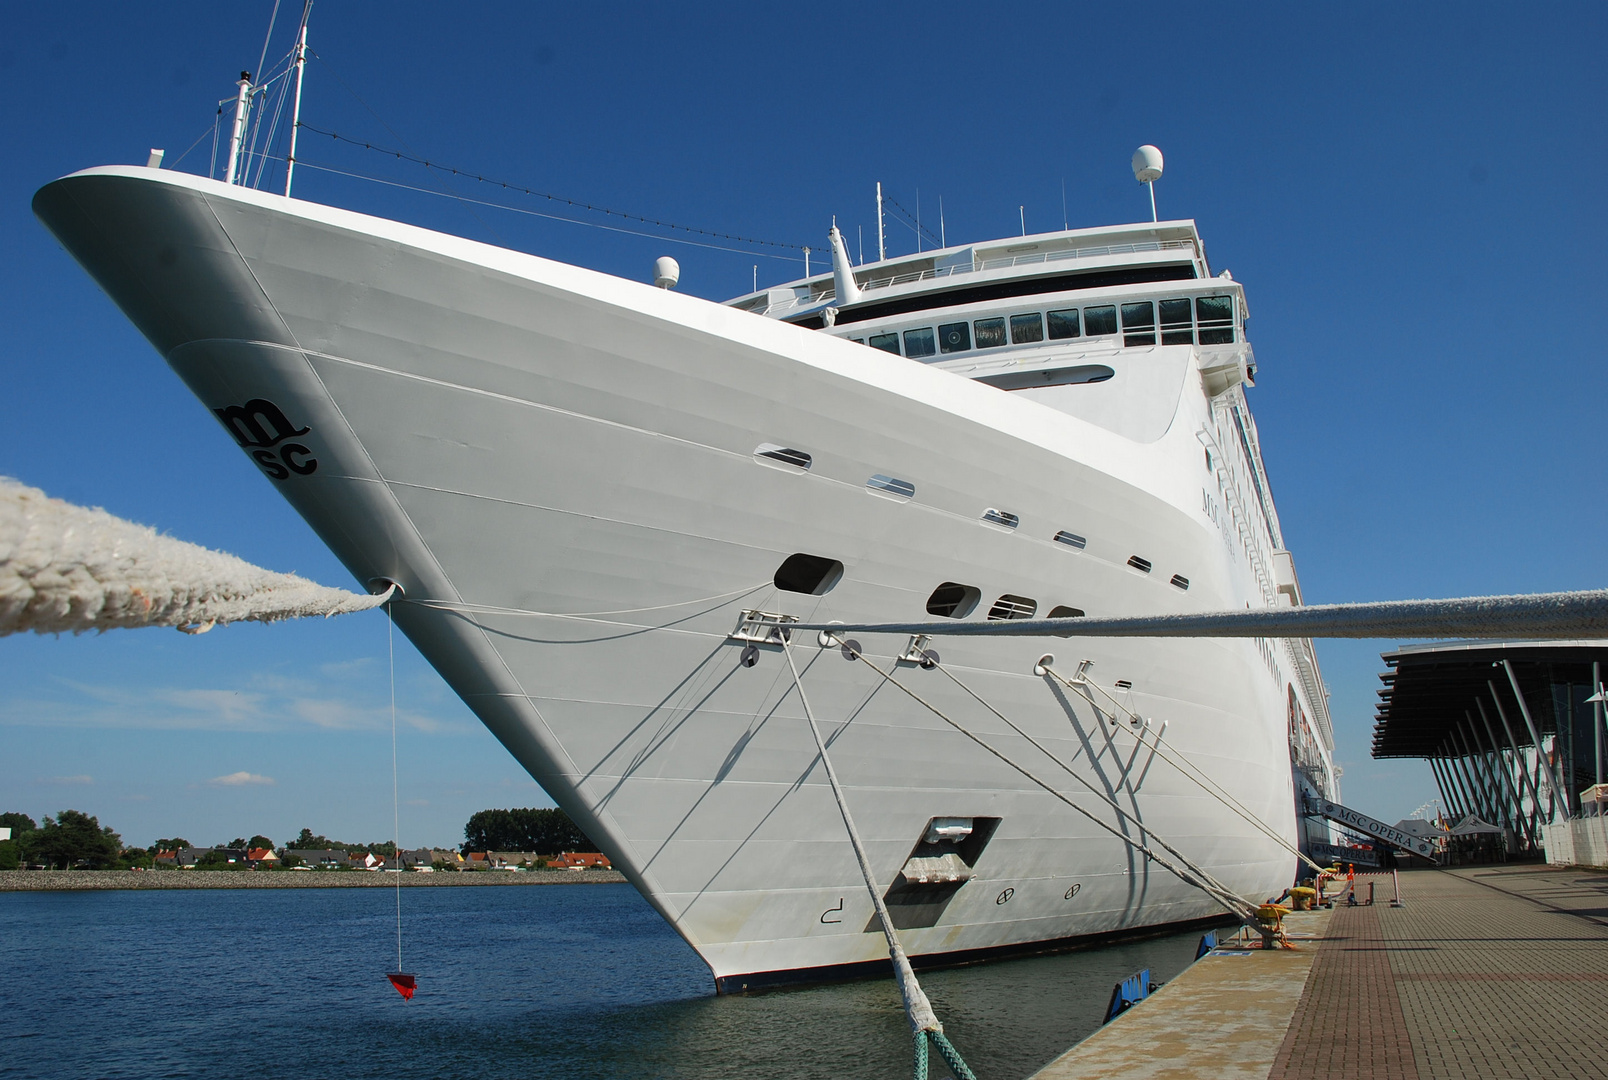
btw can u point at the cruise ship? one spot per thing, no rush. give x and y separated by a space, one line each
603 502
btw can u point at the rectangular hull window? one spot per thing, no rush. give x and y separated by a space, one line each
1063 324
1177 328
1012 607
952 600
1215 317
918 343
808 574
1026 329
990 333
1100 321
1139 323
954 337
885 342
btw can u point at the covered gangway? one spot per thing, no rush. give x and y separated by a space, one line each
1507 727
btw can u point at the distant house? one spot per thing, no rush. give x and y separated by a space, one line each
261 856
477 861
452 859
318 859
508 860
579 860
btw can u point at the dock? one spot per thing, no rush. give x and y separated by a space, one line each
1484 971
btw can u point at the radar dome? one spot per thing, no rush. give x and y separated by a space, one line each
1146 164
666 272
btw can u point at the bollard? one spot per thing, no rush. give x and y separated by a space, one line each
1397 901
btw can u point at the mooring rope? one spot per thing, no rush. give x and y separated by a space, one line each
68 569
1236 905
1555 616
396 799
1185 767
918 1009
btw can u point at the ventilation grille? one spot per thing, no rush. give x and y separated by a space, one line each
1071 540
784 454
1141 565
1180 581
1000 517
1012 607
903 489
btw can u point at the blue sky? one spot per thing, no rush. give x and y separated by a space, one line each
1411 196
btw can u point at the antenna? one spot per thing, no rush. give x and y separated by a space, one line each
667 272
882 243
1147 166
1064 219
918 219
1023 211
295 109
943 238
806 260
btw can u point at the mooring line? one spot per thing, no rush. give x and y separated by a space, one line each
917 1008
1236 905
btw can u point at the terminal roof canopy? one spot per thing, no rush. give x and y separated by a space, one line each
1430 689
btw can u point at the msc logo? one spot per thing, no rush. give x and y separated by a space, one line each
261 427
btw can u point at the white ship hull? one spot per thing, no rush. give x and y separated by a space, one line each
558 468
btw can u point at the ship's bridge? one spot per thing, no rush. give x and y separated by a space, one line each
1074 259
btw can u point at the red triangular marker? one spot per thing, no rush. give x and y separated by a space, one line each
405 984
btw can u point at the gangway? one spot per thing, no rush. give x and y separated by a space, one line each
1352 819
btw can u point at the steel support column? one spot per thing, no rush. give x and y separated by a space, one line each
1518 759
1504 791
1440 782
1481 791
1520 826
1558 794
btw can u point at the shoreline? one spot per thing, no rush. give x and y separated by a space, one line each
101 880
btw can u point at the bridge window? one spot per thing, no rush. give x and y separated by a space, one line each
1215 317
954 337
1026 329
885 342
990 333
919 343
1139 323
1177 328
1063 324
953 600
1100 321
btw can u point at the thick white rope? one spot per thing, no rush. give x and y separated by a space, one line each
1554 616
396 798
65 568
1236 905
917 1007
1188 769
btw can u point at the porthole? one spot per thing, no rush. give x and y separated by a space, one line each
1141 565
1061 611
786 455
901 489
1012 607
1001 518
953 600
1179 581
1071 540
808 574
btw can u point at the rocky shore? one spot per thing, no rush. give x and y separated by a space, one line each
71 880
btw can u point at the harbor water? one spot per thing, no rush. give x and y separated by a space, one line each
541 981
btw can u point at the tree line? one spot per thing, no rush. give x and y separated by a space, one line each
73 839
545 832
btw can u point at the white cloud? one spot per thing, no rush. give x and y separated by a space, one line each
241 779
71 781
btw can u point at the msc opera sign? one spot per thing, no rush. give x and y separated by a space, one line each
1348 817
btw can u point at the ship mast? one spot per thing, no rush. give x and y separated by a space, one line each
295 109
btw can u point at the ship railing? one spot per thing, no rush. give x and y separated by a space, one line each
977 265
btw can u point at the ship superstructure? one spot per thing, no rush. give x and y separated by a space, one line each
601 498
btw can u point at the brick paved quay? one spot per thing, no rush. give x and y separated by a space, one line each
1487 972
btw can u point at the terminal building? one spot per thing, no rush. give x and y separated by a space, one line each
1513 732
